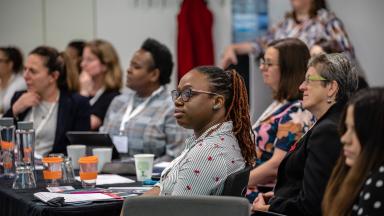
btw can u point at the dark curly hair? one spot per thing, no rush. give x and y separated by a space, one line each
14 55
162 59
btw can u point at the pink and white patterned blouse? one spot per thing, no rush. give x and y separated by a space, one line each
204 165
324 26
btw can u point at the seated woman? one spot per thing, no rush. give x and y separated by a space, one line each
48 102
101 78
356 184
74 51
214 103
11 77
304 172
142 121
285 120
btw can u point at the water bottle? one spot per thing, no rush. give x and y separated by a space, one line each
7 139
24 156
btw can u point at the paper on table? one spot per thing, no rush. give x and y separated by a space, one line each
162 164
60 189
110 179
70 198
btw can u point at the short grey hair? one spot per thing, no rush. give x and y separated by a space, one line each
337 67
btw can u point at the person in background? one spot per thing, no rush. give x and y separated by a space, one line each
141 120
214 103
356 186
48 102
11 78
74 50
324 46
304 172
310 21
101 79
285 120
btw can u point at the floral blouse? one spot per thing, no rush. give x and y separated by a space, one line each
325 26
280 126
204 165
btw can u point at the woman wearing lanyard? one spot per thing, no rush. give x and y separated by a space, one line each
48 102
101 78
141 121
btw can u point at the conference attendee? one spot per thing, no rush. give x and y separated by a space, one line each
101 79
356 186
141 120
324 46
310 21
48 103
74 50
285 120
11 78
304 172
214 104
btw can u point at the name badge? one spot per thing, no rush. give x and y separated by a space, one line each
121 143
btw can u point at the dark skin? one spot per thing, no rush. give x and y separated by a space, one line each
140 75
197 113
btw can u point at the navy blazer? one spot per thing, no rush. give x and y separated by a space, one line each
73 115
303 174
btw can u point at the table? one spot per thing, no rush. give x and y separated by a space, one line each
22 202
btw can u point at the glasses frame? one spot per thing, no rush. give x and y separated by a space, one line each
187 94
263 63
4 60
310 78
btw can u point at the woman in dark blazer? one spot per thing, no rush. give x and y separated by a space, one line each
304 172
48 102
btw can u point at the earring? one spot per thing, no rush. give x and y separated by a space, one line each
216 107
329 100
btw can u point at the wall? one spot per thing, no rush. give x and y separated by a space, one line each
126 23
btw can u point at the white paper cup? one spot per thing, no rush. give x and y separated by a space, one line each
104 155
75 152
144 165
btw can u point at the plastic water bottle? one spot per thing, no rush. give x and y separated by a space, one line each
24 160
7 139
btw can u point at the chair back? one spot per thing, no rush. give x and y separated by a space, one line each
236 183
186 206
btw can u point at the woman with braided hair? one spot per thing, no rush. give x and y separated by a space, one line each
214 103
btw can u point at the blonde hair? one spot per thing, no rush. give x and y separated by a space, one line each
72 78
108 57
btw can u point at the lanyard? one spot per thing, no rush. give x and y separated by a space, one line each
97 96
130 112
45 120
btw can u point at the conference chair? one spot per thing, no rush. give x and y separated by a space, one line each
236 183
186 206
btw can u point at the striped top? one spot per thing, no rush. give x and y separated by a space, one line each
204 165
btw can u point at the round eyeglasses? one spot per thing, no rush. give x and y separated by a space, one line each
186 94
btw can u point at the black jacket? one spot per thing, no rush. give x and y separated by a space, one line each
73 115
304 172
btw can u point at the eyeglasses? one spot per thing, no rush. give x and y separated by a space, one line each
186 94
3 60
310 78
266 63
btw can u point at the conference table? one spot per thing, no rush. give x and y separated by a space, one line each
21 202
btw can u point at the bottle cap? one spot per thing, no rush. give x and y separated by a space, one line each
6 122
25 125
